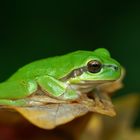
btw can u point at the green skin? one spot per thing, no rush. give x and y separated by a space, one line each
53 76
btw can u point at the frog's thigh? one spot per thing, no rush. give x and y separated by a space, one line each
17 89
56 87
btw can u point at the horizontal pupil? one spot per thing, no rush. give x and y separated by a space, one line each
95 65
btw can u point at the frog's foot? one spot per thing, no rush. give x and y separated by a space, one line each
101 103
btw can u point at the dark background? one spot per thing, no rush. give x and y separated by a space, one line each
32 30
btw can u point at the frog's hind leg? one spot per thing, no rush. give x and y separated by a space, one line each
14 92
8 102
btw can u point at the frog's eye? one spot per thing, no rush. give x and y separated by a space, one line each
94 66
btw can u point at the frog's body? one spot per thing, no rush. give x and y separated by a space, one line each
63 77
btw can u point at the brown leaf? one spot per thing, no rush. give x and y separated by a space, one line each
54 114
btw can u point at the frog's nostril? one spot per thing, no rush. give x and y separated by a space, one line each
116 68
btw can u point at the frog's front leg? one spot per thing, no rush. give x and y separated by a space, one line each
56 88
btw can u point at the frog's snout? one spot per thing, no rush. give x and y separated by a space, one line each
114 67
113 71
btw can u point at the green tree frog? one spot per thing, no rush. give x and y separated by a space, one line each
64 77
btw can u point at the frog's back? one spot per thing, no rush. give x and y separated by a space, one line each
57 66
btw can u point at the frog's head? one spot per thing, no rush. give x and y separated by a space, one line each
96 66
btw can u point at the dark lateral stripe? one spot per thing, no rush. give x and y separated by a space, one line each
79 71
74 73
